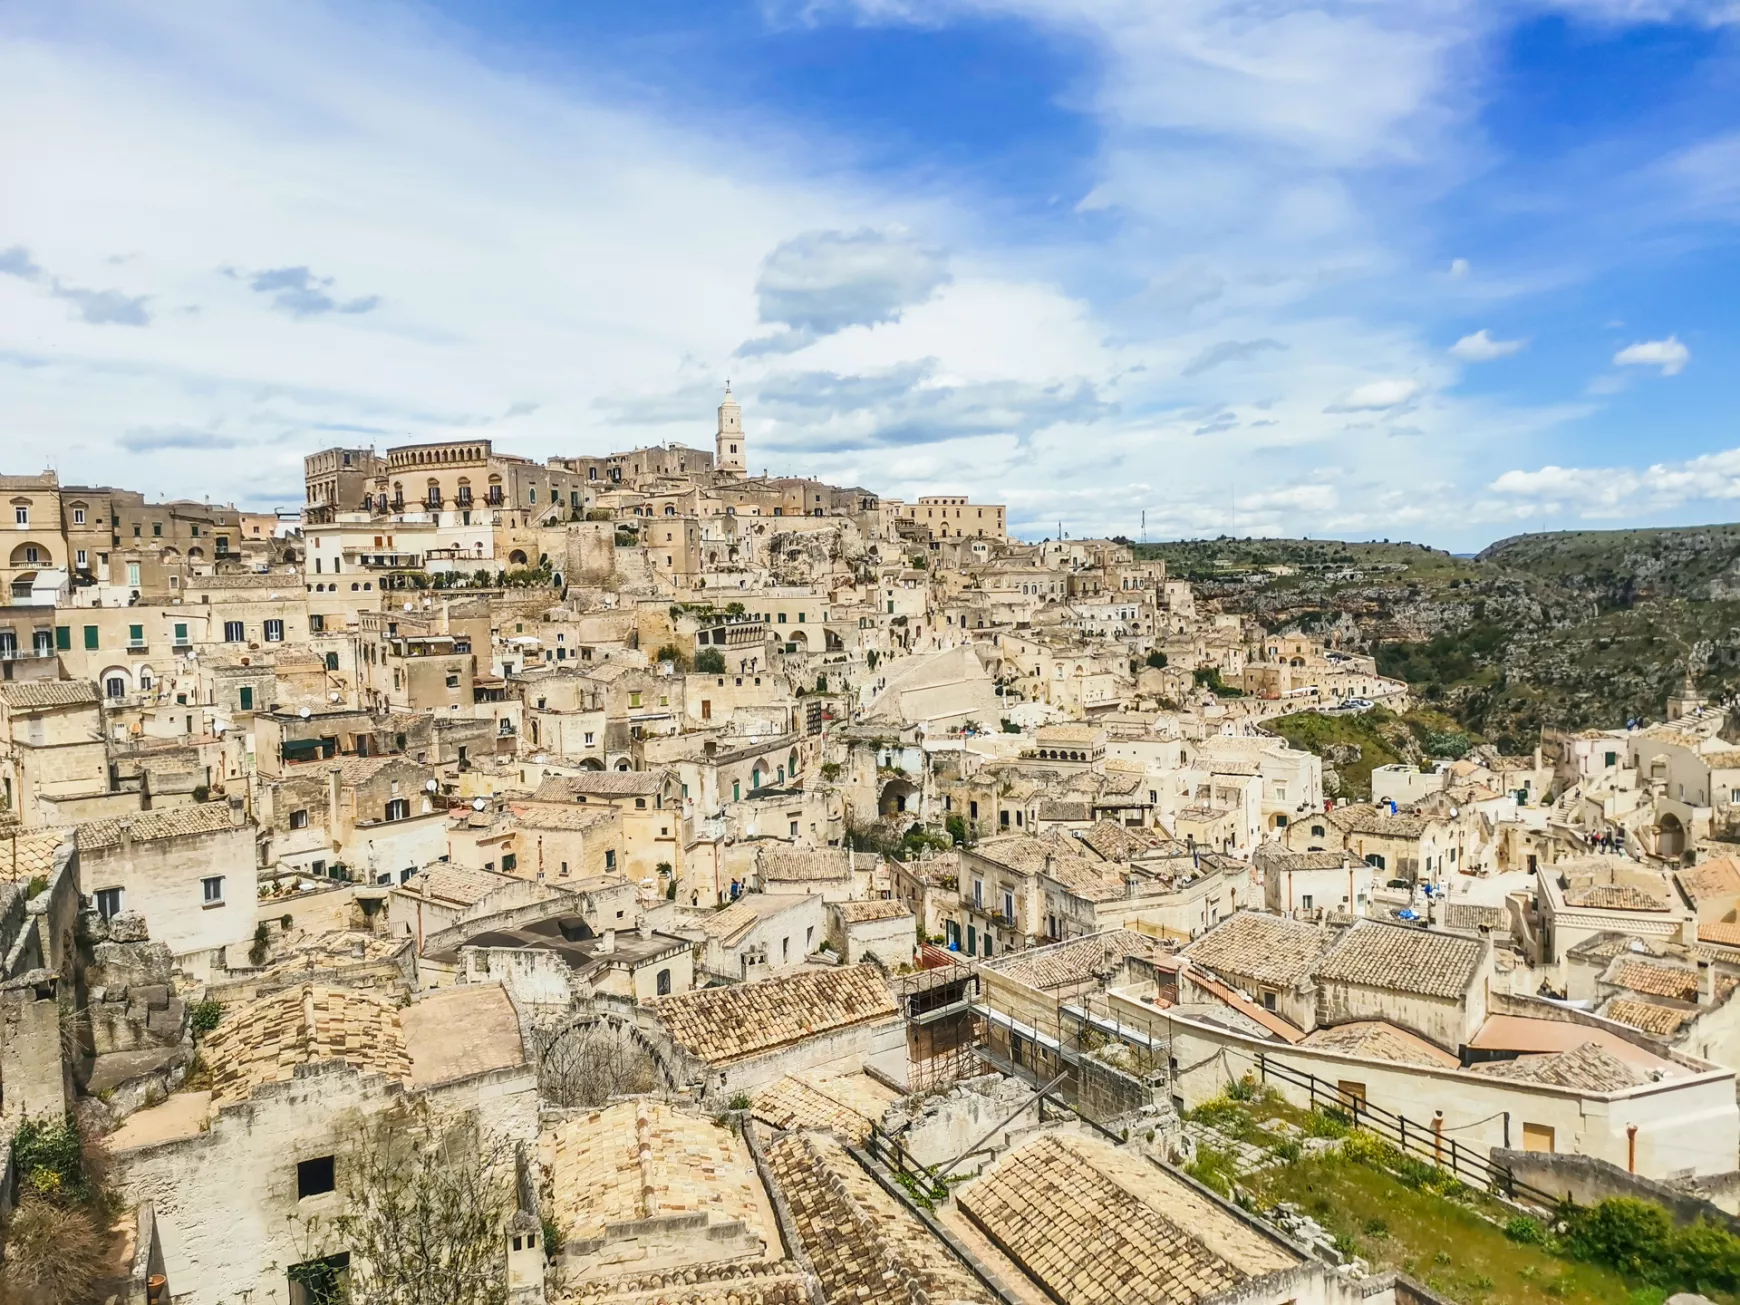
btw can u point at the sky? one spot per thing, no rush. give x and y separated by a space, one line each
1438 271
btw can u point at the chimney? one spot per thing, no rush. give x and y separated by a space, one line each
607 944
126 835
238 812
1706 984
332 801
644 928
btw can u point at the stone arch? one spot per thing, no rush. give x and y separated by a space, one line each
896 794
591 763
1670 838
558 1047
116 675
517 557
32 553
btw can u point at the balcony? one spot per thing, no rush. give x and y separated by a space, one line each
25 654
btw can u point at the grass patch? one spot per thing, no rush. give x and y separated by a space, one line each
1453 1246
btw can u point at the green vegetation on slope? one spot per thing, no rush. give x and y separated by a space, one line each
1353 744
1569 630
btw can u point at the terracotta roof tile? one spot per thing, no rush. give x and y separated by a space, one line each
1403 959
1080 959
265 1042
41 695
1590 1067
722 1025
1266 948
1664 1021
1656 980
148 826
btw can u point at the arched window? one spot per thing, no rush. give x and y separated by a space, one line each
664 983
115 687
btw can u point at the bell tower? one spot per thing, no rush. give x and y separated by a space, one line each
729 457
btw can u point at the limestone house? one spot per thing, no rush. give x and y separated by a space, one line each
244 1175
881 930
192 872
835 874
1415 848
1304 883
758 935
845 1104
744 1035
935 690
641 1183
1577 899
1687 1005
54 765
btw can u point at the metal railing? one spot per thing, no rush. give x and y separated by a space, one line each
1412 1138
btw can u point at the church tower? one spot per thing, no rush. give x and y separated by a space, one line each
729 457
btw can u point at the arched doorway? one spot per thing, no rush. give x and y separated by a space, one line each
1670 837
897 794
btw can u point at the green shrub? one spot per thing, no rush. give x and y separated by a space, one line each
710 661
673 654
1327 1121
45 1155
1523 1229
740 1101
1242 1089
552 1239
203 1016
1157 660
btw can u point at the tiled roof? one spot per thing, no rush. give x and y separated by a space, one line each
147 826
1362 818
1718 877
1267 948
641 1158
1590 1067
1117 842
1403 959
1472 916
1663 1021
1724 933
1614 897
570 819
39 695
866 1247
1377 1040
1099 1228
722 1025
791 866
865 912
769 1282
24 856
1078 960
796 1103
455 883
265 1042
1656 980
728 923
603 783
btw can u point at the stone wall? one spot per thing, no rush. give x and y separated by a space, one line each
1588 1180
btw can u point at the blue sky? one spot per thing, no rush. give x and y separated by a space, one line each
1440 271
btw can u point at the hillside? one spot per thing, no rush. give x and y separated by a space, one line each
1572 629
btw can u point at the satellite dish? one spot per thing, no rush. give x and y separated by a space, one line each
478 804
333 697
305 713
407 605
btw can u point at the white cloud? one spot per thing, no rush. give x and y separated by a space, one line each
1376 396
1669 355
1481 347
1623 491
1459 268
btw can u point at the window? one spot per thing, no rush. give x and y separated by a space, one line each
978 892
634 698
108 902
610 859
135 636
91 637
21 515
181 632
1268 1001
1612 759
84 559
453 681
332 661
299 819
313 1177
157 530
398 809
78 516
63 637
784 949
115 687
1009 905
509 862
1305 901
664 983
211 890
317 624
245 698
274 631
133 575
794 829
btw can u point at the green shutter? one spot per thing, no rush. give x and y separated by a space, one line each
91 640
181 632
247 698
135 634
63 637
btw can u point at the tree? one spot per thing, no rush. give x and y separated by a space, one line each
586 1064
710 661
1157 660
673 654
427 1206
956 824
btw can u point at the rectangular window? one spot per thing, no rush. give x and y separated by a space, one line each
181 632
63 637
157 529
83 558
108 902
299 819
234 632
509 862
332 661
21 515
313 1177
92 638
133 575
78 516
135 636
274 631
211 890
245 697
610 859
399 809
317 624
